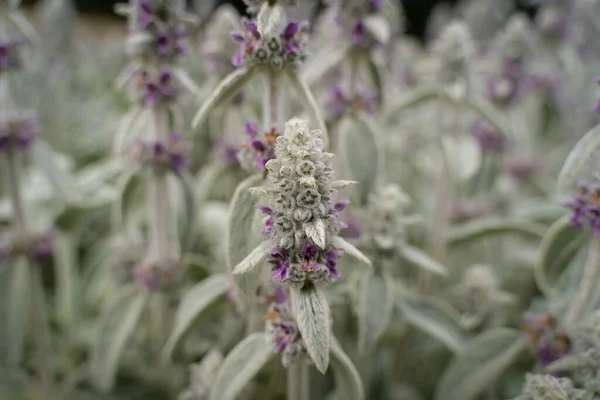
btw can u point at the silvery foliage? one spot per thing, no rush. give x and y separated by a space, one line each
254 6
202 375
547 387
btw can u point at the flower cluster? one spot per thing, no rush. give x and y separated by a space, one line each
38 246
260 149
302 217
350 18
151 88
17 131
169 155
10 53
280 324
285 51
550 342
453 50
585 206
385 228
490 139
550 388
159 28
338 103
157 275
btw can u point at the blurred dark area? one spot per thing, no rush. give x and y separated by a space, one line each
416 11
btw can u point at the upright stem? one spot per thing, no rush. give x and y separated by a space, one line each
14 190
273 103
353 75
298 380
158 196
589 282
41 329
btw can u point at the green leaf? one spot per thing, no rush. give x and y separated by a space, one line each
414 98
480 364
490 114
187 215
349 249
375 308
17 305
241 239
307 97
47 161
434 318
117 326
376 78
66 270
361 154
323 62
580 161
195 301
479 229
422 260
559 246
128 185
227 88
314 323
241 365
348 385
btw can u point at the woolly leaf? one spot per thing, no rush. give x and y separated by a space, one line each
559 246
241 365
348 385
316 232
423 260
349 249
434 318
117 326
314 323
195 301
489 227
257 256
580 161
270 19
324 62
16 289
480 364
187 213
375 308
227 88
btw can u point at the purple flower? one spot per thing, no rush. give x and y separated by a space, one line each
489 138
18 132
331 256
144 14
280 295
579 207
341 205
358 34
172 154
9 53
597 107
265 210
281 265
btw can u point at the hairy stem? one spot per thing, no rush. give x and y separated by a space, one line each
298 380
158 196
587 285
273 101
41 328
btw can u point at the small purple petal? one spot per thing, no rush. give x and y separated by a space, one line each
238 37
290 30
265 210
341 205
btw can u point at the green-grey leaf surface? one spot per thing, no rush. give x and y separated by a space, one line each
375 308
348 384
479 229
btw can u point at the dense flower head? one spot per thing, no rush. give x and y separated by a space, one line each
488 137
38 246
585 206
158 275
260 147
302 216
159 29
547 387
549 341
284 51
281 325
385 229
10 53
454 50
17 131
162 155
152 88
338 103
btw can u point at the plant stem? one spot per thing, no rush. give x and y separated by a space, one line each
589 282
158 196
273 101
14 191
298 380
41 328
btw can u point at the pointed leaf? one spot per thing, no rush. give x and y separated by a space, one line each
348 385
375 309
480 364
66 269
116 328
411 99
559 246
434 318
257 256
307 97
241 365
269 19
46 160
489 227
360 151
423 260
375 73
227 88
580 162
350 249
342 184
187 216
316 233
314 323
195 301
241 237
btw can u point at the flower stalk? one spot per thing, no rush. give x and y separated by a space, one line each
298 380
589 282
